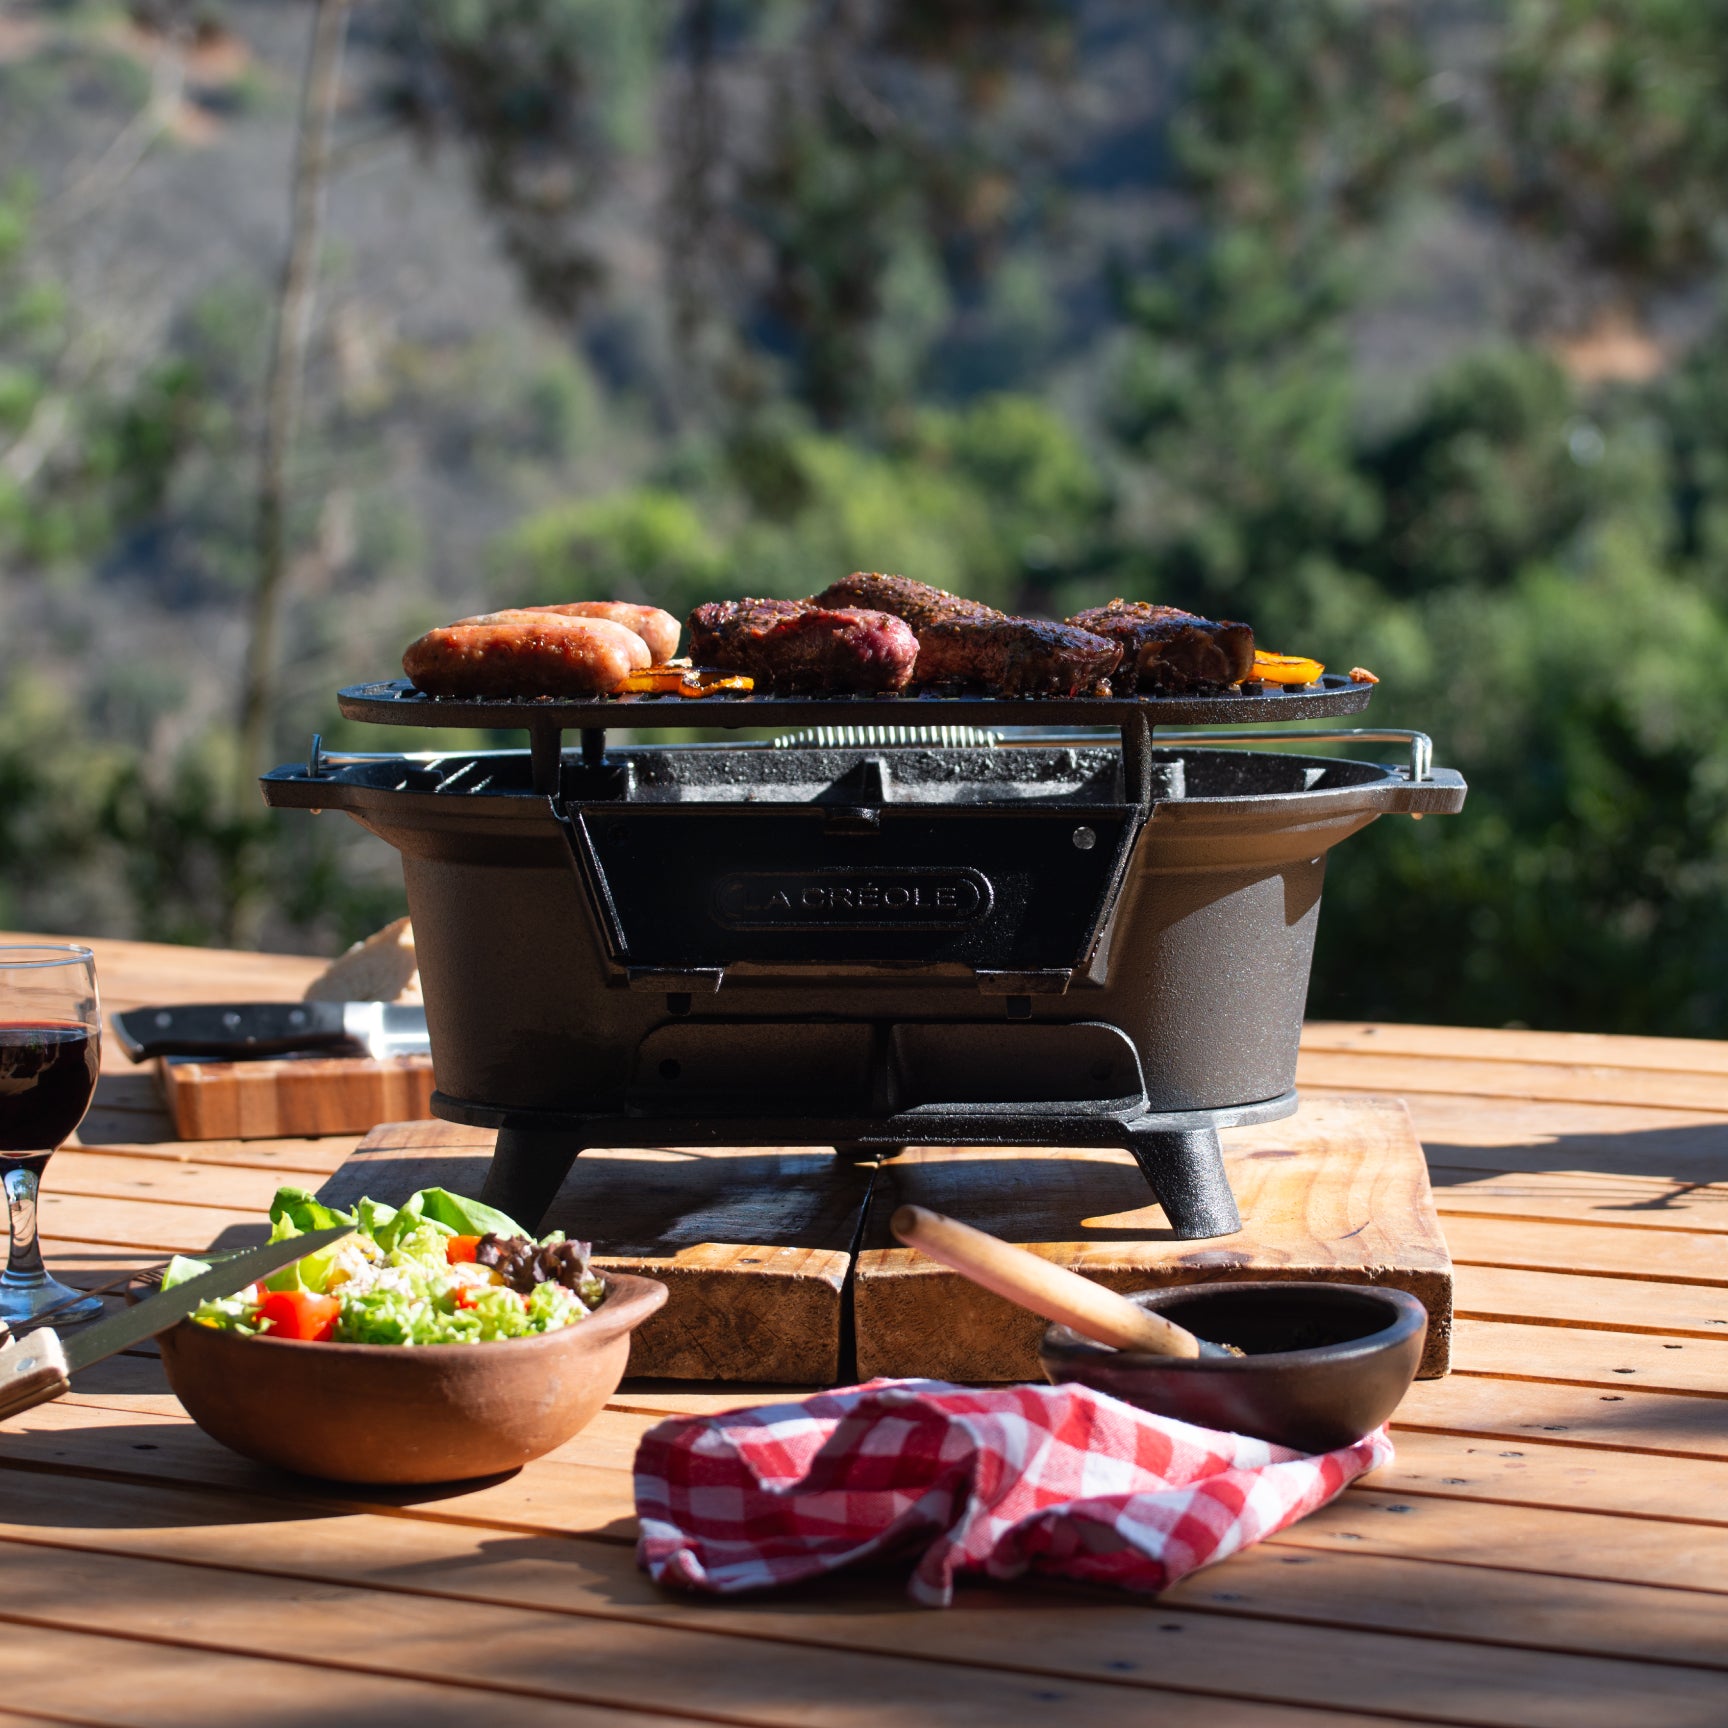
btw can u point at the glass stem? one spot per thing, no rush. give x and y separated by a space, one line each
24 1265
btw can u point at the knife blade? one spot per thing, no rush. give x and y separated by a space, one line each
36 1368
229 1030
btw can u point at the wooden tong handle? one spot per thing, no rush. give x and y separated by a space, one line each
32 1371
1042 1286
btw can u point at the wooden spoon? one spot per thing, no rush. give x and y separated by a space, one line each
1046 1288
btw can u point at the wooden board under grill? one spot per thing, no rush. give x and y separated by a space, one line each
757 1244
753 1243
292 1096
1338 1192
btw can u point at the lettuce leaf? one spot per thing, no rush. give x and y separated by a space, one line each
464 1217
182 1269
294 1212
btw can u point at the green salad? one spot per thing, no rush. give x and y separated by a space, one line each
436 1270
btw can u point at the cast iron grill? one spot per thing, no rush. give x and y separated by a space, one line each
904 925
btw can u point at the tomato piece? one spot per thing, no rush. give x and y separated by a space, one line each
461 1249
300 1314
468 1295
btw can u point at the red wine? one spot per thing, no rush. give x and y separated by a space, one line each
47 1078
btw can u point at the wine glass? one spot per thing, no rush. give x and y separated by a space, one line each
50 1050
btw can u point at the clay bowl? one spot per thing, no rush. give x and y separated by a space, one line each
382 1413
1324 1364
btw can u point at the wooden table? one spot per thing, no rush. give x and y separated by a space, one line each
1551 1546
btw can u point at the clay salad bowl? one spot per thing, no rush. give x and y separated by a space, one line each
406 1413
1321 1364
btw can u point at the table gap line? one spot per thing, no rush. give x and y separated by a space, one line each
1591 1325
1321 1045
60 1189
1594 1272
1572 1575
1624 1385
1427 1493
1687 1229
146 1153
1489 1099
1493 1170
1550 1437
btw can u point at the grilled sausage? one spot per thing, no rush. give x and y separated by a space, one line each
523 653
658 629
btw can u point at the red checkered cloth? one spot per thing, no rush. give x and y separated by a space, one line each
1008 1480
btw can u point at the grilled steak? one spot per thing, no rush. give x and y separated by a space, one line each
798 645
963 641
1169 651
521 653
917 602
1015 656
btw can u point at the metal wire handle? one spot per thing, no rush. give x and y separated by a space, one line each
1421 745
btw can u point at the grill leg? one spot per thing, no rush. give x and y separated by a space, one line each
1186 1169
528 1168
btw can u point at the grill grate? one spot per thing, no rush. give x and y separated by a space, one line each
398 703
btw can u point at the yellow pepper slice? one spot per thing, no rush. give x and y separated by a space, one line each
675 680
1285 668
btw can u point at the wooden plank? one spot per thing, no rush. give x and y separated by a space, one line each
154 1227
1525 1472
1586 1545
62 1674
1462 1446
600 1580
1610 1361
1658 1423
754 1244
1605 1304
1580 1197
267 1100
1439 1599
937 1673
294 1158
1513 1134
1496 1044
1673 1257
1338 1192
563 1492
168 972
1536 1081
117 1176
1478 1524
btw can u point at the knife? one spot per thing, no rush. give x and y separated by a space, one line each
231 1029
38 1367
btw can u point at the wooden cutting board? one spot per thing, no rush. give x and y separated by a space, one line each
1337 1193
754 1243
774 1254
292 1096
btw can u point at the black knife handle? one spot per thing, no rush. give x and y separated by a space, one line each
230 1029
